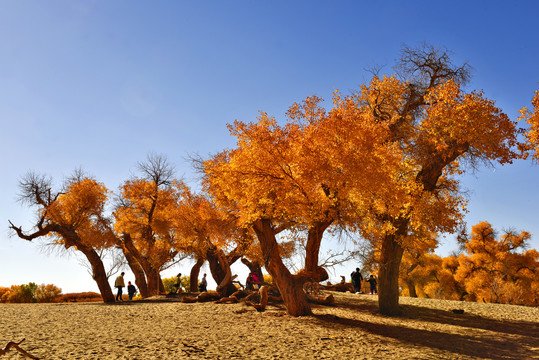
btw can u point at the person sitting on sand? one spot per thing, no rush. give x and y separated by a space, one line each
372 281
119 284
131 290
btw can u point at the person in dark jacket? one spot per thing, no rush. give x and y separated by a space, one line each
356 280
131 290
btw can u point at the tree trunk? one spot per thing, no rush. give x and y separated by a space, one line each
312 250
291 289
98 273
390 259
219 268
410 284
138 271
153 280
193 276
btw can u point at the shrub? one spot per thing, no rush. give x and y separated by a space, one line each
3 290
79 297
47 293
21 293
169 283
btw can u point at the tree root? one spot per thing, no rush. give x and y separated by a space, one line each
322 300
16 346
203 297
259 300
263 299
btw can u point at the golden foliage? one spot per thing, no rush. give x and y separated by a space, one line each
532 118
494 270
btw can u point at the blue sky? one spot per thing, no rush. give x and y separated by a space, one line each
100 84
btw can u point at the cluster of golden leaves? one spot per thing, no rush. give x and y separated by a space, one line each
532 118
147 215
80 207
360 162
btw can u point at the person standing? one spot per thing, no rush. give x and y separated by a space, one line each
131 290
372 281
203 284
356 280
119 283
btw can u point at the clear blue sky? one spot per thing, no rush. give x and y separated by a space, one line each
100 84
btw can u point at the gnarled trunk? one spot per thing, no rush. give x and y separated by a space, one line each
153 279
312 250
98 273
291 289
219 268
193 276
138 271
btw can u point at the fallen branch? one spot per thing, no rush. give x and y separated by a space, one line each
15 345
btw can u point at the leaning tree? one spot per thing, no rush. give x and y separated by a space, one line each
71 218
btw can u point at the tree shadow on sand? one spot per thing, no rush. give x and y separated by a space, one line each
477 336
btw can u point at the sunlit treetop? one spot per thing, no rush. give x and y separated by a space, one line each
81 207
532 118
307 170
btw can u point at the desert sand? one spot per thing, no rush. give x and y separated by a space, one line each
164 328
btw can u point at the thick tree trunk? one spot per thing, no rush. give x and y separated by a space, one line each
312 250
160 283
410 284
153 280
138 271
290 288
219 269
193 276
98 273
390 259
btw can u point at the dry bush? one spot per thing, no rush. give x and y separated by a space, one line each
79 297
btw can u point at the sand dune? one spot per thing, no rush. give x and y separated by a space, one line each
161 329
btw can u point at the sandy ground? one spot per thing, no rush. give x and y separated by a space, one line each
161 329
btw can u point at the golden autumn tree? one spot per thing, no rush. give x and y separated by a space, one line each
72 218
440 129
209 234
318 169
499 270
144 218
432 277
415 263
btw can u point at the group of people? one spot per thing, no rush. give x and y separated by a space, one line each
202 287
251 283
357 278
119 283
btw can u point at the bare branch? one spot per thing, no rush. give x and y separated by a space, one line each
35 190
158 169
